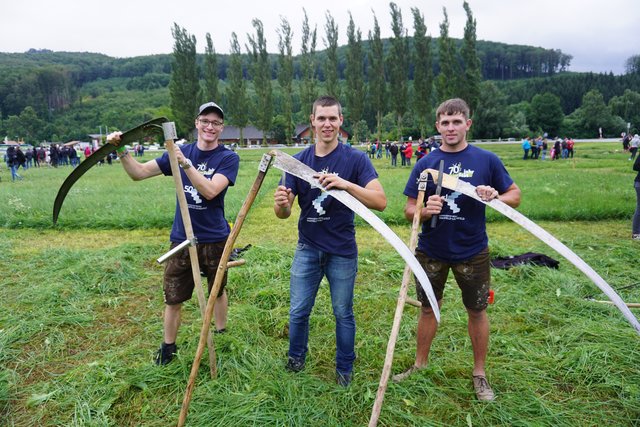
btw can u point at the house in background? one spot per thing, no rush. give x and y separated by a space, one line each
303 134
251 136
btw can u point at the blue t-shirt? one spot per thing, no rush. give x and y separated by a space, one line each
460 232
207 216
325 223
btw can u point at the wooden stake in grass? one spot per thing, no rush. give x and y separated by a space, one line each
406 278
169 129
228 247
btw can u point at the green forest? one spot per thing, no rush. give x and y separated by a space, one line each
389 88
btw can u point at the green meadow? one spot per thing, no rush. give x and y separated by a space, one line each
81 310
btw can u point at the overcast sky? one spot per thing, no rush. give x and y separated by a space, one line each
599 34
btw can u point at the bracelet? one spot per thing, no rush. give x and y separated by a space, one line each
123 153
186 165
121 150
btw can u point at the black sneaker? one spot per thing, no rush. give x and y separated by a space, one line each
343 379
294 365
165 353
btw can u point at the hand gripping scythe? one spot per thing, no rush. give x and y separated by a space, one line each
454 183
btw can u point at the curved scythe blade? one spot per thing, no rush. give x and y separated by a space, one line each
453 183
127 137
296 168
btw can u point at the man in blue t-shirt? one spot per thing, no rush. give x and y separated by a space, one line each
459 240
207 169
326 234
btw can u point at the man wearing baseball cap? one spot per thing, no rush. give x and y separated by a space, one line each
208 169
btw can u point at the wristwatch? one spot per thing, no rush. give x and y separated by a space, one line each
186 165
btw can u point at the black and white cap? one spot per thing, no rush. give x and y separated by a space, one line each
204 109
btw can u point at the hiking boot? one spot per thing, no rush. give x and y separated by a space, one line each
482 388
165 353
294 365
343 380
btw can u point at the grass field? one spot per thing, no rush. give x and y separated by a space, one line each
81 308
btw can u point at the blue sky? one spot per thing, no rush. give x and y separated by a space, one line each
600 35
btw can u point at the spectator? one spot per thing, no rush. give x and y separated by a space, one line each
526 146
408 152
635 233
12 163
633 146
394 153
570 145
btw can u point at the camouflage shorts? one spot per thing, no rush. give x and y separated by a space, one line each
178 277
473 277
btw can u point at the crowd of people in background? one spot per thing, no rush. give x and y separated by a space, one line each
537 148
406 149
54 155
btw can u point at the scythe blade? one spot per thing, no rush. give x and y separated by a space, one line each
453 183
127 137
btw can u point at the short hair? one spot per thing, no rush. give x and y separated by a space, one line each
453 106
326 101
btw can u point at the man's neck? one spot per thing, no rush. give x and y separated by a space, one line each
207 146
325 148
454 149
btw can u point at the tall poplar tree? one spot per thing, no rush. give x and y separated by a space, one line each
308 91
422 72
377 83
331 72
237 102
184 86
447 80
355 76
285 74
261 76
398 65
472 69
210 72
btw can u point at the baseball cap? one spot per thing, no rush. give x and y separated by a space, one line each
210 106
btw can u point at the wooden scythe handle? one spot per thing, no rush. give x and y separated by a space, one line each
193 252
206 321
395 329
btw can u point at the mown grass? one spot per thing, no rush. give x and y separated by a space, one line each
81 307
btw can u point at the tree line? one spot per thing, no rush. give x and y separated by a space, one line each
388 87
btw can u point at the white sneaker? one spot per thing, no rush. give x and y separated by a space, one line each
482 388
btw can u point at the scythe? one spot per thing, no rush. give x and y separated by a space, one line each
454 183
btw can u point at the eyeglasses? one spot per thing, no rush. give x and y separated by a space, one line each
206 123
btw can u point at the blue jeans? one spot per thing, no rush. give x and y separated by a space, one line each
308 268
14 172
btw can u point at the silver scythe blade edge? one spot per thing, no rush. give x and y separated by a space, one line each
296 168
455 184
